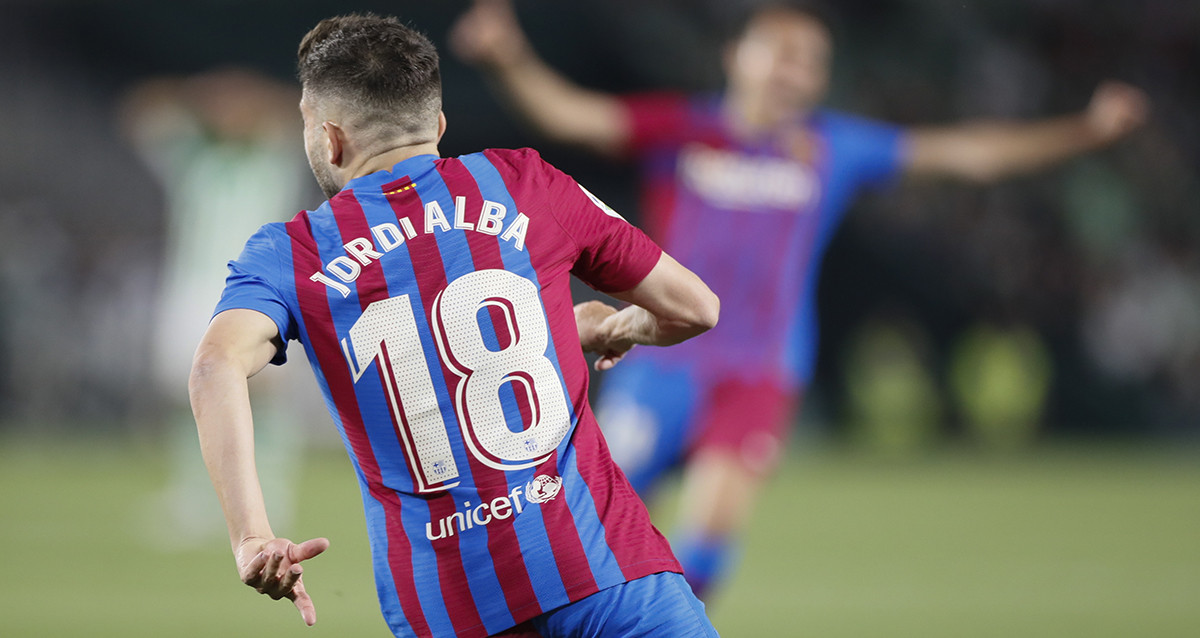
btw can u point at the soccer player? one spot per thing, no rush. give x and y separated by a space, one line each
746 188
432 297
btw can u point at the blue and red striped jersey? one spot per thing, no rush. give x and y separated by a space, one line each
753 218
434 303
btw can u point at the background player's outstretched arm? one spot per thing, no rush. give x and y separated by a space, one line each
671 305
988 151
489 36
236 346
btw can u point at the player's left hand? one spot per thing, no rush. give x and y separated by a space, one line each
1116 110
272 567
590 317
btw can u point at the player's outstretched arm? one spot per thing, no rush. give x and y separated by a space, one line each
671 305
237 345
489 36
988 151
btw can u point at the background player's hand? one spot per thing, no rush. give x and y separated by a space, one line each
591 317
272 567
489 35
1116 110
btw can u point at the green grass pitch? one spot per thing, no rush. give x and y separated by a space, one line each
1058 543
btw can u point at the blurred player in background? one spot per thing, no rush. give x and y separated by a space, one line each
433 299
747 188
223 147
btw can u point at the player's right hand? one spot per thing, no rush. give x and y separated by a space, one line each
1116 110
489 35
595 334
272 567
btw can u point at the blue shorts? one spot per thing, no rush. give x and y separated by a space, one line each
661 605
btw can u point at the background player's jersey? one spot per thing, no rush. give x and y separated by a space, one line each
753 219
434 303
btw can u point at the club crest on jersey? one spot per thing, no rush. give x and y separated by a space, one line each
601 205
543 488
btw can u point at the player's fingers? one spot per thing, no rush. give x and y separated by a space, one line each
252 571
308 549
270 572
291 576
609 360
304 603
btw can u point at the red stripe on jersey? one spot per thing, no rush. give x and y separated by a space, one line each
431 280
503 544
569 554
322 338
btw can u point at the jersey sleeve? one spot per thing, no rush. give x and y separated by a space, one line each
254 283
613 255
871 151
657 120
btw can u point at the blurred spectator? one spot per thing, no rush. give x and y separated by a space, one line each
999 377
893 403
226 148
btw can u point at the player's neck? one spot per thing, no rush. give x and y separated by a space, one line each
750 120
386 160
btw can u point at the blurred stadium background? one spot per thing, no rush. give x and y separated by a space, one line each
1003 436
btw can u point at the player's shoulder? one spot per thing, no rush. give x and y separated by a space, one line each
841 122
266 242
519 167
272 232
672 100
515 159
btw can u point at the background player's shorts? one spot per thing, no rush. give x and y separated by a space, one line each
658 605
655 414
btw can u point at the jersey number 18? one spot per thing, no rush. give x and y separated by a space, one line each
387 330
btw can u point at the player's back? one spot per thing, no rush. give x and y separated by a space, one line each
434 302
428 271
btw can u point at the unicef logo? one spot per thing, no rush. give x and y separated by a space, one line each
542 488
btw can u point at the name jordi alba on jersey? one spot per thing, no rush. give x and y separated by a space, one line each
361 251
734 180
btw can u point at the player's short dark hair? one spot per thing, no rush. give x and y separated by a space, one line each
815 9
384 70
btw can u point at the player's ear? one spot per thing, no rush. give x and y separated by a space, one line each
337 142
729 54
441 125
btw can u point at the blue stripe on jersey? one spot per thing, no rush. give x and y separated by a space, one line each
481 576
373 406
600 558
605 568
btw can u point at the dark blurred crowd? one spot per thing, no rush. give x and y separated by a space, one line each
1067 302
